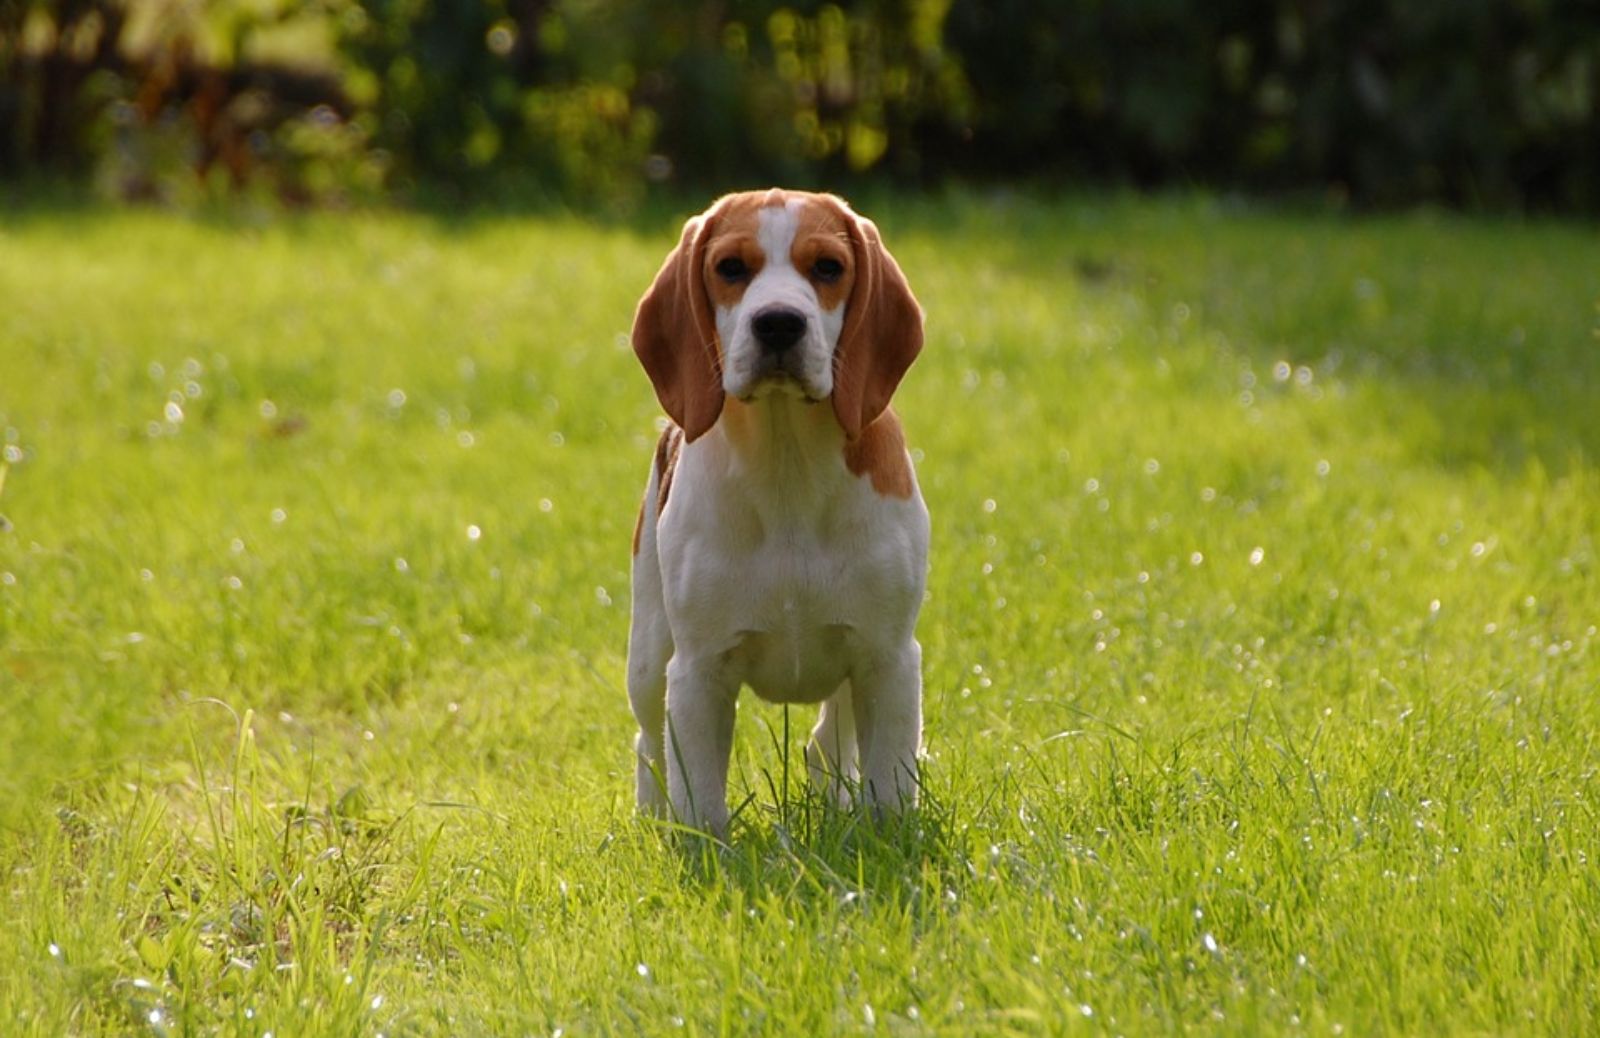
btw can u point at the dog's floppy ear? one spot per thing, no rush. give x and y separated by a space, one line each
675 335
882 331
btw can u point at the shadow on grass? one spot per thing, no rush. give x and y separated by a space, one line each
445 211
817 856
1475 339
793 841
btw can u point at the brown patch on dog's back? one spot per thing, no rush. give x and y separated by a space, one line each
667 449
666 463
880 453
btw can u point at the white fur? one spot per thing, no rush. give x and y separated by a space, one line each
774 567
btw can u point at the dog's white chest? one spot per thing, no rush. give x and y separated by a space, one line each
790 585
793 625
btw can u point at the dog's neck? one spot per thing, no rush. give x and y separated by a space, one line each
785 445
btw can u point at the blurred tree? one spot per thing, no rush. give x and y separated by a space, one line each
49 54
596 97
157 98
1473 101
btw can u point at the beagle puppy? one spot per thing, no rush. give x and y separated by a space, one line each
782 542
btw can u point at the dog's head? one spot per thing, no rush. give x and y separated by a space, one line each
777 292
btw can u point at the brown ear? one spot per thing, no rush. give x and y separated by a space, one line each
882 332
675 336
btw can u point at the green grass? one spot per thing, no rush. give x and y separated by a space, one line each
1261 651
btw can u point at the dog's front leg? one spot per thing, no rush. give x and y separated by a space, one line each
888 709
700 712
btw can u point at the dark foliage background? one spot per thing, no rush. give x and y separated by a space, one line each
595 102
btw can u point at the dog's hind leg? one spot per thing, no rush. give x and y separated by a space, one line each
648 653
831 755
649 649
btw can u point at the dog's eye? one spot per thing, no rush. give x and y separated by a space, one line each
732 269
827 270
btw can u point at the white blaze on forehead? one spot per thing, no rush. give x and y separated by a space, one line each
775 230
778 282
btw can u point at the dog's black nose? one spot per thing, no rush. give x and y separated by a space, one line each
778 328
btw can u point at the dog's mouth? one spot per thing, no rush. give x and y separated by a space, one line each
780 384
777 377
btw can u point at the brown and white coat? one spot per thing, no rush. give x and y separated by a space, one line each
782 542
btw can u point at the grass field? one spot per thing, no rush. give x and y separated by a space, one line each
1260 652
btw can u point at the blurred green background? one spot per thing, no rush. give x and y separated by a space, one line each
600 103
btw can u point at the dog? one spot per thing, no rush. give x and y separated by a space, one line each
782 542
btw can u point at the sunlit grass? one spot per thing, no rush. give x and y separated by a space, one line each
1260 649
